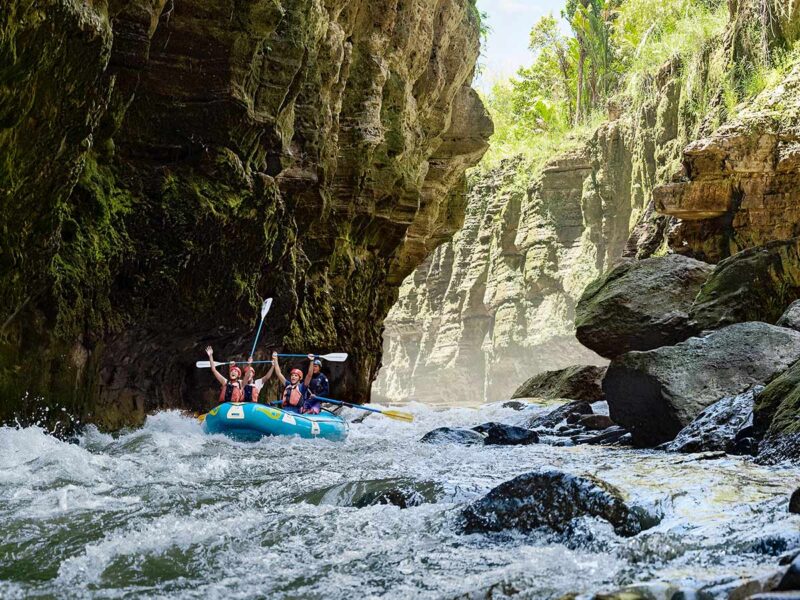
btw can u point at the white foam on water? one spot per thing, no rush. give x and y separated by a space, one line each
167 511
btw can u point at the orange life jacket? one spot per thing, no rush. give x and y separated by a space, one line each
230 392
292 396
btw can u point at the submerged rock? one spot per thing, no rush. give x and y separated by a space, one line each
576 383
452 435
791 318
719 426
400 492
506 435
794 502
657 393
640 305
756 284
551 499
561 413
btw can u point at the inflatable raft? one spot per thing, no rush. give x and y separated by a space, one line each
251 422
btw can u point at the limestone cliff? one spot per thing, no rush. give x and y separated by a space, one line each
496 305
167 163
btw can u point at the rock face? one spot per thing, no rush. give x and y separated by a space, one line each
757 284
719 426
657 393
576 383
553 500
168 166
740 187
640 305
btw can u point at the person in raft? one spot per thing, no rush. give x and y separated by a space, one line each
319 386
295 392
252 386
231 390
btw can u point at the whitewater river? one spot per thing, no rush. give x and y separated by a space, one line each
166 511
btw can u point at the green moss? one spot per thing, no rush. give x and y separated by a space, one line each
777 408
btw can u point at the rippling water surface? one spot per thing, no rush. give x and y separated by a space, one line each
168 511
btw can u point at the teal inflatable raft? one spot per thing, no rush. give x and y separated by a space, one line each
250 422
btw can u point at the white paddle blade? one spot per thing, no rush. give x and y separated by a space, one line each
265 307
204 364
335 357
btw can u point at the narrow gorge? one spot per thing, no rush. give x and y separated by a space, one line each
167 164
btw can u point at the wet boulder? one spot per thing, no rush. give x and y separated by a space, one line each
791 318
552 500
794 502
562 413
640 305
516 405
756 284
400 492
576 383
791 579
498 434
656 394
453 435
776 418
595 422
718 427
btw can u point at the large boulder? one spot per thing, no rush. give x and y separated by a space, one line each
718 427
640 305
754 285
498 434
657 393
576 383
776 418
551 499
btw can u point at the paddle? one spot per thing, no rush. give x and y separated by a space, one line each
332 357
392 414
264 311
204 364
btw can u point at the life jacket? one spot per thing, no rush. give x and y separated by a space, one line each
293 395
230 392
319 385
250 393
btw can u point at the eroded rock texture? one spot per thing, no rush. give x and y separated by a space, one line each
486 321
167 164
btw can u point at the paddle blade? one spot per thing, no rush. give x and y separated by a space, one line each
201 418
400 416
334 357
265 307
204 364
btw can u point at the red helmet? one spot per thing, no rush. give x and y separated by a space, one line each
235 369
298 371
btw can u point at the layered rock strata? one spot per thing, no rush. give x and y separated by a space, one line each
166 165
486 320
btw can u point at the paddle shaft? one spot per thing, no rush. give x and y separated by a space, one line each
264 310
340 403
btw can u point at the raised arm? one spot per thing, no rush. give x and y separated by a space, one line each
217 375
310 370
249 372
277 367
268 376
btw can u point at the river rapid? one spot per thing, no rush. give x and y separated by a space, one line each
167 511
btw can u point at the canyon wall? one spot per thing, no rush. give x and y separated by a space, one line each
496 305
167 164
